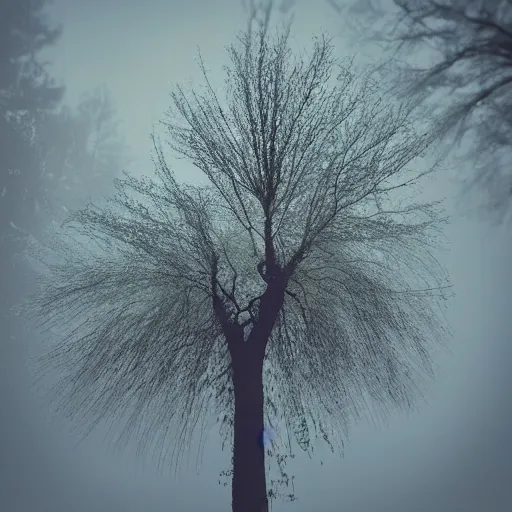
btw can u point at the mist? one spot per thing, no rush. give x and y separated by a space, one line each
451 454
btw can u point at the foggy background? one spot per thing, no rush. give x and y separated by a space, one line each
453 454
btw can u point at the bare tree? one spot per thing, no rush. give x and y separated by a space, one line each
472 40
81 152
296 287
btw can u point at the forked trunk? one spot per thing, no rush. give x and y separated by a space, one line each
249 492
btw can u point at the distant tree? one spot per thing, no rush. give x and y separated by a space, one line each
81 151
26 91
472 43
25 86
298 286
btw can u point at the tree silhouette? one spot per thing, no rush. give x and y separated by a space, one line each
296 286
26 91
472 43
81 151
25 85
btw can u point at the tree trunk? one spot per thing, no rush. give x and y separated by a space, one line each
249 492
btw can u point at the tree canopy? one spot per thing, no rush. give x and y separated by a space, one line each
311 174
466 79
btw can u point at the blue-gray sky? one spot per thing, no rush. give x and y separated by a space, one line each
454 454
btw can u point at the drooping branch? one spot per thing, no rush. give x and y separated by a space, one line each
471 44
301 229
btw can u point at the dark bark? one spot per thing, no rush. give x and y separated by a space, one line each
249 492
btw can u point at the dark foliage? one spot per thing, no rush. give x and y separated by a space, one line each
26 92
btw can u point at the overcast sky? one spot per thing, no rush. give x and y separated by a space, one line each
454 454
